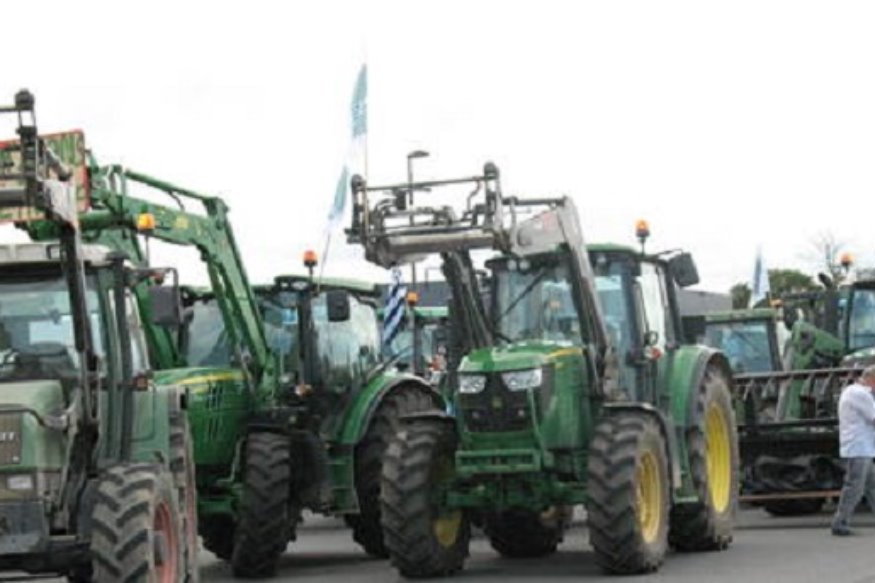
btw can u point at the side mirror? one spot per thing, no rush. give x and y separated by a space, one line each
337 302
683 270
166 305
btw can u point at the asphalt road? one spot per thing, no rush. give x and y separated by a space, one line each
772 550
766 549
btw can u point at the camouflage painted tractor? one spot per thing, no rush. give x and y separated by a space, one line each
96 469
574 389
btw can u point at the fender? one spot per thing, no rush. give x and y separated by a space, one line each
684 378
363 406
687 371
665 426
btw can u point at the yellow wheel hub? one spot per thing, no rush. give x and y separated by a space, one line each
446 528
649 496
718 458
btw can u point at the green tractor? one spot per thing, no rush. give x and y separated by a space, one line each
325 333
788 385
269 440
422 342
574 389
96 470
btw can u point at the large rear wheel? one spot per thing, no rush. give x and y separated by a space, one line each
423 537
712 444
366 528
182 467
265 524
629 495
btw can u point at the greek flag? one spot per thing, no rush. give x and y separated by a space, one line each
759 288
393 315
356 154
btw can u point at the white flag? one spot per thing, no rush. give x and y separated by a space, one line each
759 287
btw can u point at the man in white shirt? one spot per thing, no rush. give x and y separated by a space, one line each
857 448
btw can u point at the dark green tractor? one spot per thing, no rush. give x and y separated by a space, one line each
325 334
96 469
574 389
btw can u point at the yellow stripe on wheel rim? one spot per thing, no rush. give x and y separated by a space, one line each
718 458
649 497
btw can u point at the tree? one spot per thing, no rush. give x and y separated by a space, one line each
781 282
784 281
824 254
740 294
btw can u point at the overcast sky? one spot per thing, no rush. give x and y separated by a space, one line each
727 125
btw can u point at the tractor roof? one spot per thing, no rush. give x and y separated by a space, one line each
740 315
21 253
609 248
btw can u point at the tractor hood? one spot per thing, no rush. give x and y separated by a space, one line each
24 443
520 356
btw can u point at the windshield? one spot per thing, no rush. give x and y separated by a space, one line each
746 344
861 320
207 340
36 329
535 303
429 338
345 350
609 283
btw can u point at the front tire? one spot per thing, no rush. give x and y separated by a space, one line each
264 524
423 539
519 534
712 443
137 530
629 496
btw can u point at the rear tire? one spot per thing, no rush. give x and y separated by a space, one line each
803 507
217 534
183 470
712 443
366 528
423 539
136 529
522 534
265 518
629 496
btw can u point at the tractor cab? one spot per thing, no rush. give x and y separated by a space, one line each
337 319
753 340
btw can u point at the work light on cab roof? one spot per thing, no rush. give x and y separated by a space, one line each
642 231
310 259
846 260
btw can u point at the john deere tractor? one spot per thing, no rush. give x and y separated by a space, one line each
96 473
269 440
574 389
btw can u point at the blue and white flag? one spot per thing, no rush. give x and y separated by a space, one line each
394 312
759 287
356 155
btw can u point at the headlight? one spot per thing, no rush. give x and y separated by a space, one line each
520 380
471 383
20 482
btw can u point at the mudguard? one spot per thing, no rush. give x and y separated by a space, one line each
366 402
684 375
